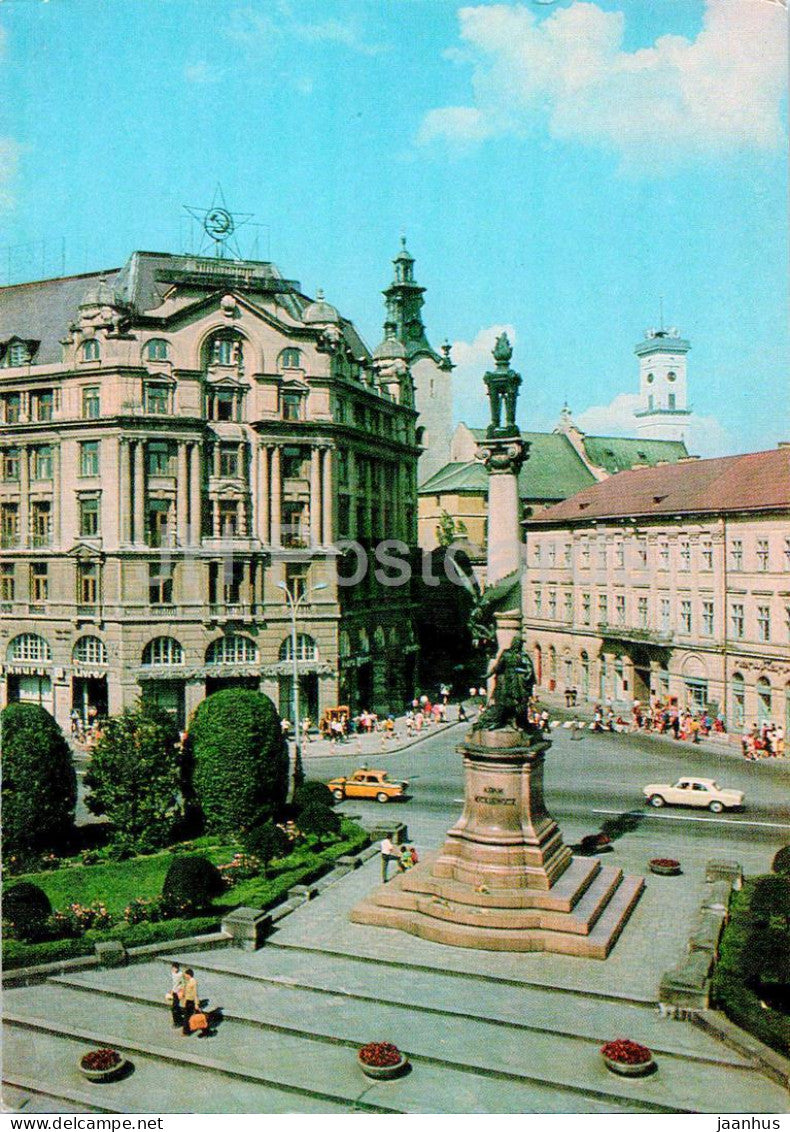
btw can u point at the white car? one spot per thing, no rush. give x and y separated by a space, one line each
702 792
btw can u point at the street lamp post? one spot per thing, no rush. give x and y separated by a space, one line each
294 605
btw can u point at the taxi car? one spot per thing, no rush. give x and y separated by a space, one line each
366 783
692 791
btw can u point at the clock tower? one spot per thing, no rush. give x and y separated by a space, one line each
431 372
663 411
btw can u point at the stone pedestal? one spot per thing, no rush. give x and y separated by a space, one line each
504 880
247 927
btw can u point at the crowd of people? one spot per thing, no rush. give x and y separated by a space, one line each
85 730
764 742
660 718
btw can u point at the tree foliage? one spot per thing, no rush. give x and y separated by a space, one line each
25 909
267 841
39 782
239 759
319 819
191 884
313 791
781 862
135 776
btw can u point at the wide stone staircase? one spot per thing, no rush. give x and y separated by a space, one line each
294 1014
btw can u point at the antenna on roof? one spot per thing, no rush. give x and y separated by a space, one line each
661 312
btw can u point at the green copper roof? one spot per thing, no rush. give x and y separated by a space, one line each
618 453
457 477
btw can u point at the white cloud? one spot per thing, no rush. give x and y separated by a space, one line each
679 97
705 436
279 24
472 360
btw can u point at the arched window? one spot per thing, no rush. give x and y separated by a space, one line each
306 648
763 700
232 650
224 349
552 663
165 651
290 358
29 647
157 349
344 647
91 351
671 376
89 650
738 700
364 641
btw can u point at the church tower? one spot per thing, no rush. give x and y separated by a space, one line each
431 372
663 411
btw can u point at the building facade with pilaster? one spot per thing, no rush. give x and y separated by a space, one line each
178 440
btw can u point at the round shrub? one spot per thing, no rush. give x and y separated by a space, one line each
39 782
319 819
313 792
266 841
781 862
26 908
239 759
191 884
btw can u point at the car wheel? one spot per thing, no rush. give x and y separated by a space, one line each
382 797
656 800
716 807
338 794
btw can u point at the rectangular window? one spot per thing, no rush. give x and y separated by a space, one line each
12 407
736 554
42 462
228 518
585 555
641 609
160 583
536 554
538 603
641 552
41 523
10 465
763 622
552 554
159 526
7 582
41 405
707 618
663 556
9 524
619 555
296 578
89 458
89 517
762 555
157 400
603 608
38 582
91 403
665 615
229 460
567 554
685 556
619 609
787 554
222 405
159 457
685 616
706 551
736 621
292 407
671 401
568 606
553 604
601 555
87 583
586 609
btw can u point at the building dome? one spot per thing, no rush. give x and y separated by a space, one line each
391 347
320 311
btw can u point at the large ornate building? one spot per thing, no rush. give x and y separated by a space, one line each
179 441
668 581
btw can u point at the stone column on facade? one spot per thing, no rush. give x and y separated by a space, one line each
276 496
327 498
315 496
215 527
263 508
352 494
56 489
243 520
215 461
182 500
124 492
24 494
139 493
195 502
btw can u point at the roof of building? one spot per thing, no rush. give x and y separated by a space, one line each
617 453
757 481
41 312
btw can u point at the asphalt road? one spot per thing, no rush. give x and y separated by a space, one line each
591 780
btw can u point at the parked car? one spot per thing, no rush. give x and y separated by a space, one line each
365 783
703 792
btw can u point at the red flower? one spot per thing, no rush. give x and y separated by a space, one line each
380 1054
101 1059
627 1052
665 862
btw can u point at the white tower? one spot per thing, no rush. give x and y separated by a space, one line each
663 411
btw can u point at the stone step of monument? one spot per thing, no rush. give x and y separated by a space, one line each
456 1041
297 1073
615 915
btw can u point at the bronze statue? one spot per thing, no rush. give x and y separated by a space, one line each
515 681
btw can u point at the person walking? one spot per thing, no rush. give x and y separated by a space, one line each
173 996
190 1000
388 853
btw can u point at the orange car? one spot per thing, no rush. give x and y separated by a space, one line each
364 783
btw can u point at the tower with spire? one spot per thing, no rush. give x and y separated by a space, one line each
663 411
405 336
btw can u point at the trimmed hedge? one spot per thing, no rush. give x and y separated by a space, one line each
239 767
311 792
39 782
319 819
781 862
735 982
266 842
191 883
26 908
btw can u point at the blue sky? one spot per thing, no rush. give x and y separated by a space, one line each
556 168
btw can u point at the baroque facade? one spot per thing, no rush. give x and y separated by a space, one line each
671 581
181 439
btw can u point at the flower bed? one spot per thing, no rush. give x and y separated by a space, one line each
665 866
381 1060
102 1064
627 1058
